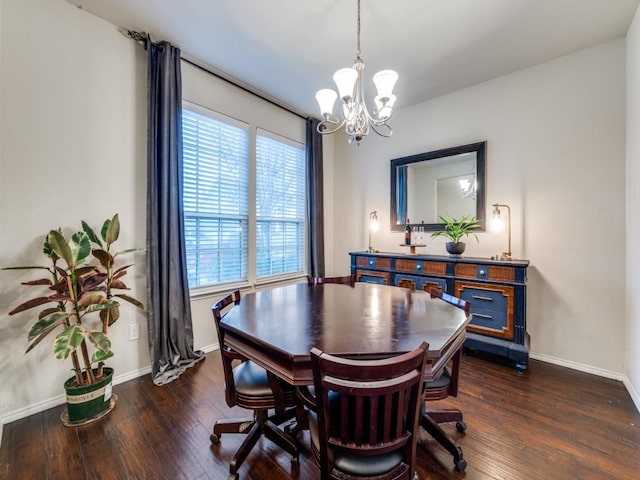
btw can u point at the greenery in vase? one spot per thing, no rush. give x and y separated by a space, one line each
83 289
455 229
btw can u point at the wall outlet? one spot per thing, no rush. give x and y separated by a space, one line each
134 331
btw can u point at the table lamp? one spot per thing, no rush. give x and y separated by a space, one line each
373 227
497 221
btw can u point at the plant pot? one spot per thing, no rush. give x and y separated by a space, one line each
88 403
455 249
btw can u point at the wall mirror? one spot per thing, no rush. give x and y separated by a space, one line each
448 182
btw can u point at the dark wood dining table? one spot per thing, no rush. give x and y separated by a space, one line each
276 328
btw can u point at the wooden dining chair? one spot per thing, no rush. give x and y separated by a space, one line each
363 417
249 386
346 280
446 385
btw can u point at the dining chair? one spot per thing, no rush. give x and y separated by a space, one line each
249 386
363 417
346 280
446 385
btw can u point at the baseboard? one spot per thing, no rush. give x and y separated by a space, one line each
593 370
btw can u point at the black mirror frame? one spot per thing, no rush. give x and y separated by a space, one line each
479 148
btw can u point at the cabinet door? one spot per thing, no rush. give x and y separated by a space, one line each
492 307
420 283
371 276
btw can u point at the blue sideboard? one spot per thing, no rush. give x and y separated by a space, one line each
495 289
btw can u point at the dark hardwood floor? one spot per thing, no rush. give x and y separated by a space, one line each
551 423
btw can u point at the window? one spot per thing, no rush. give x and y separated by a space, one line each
227 241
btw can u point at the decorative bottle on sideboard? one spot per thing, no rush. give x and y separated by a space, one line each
407 233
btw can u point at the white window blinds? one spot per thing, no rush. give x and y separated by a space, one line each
280 206
215 197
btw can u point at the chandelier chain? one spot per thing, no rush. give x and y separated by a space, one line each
358 34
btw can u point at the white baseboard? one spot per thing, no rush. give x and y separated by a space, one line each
593 370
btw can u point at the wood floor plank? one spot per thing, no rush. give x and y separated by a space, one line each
550 423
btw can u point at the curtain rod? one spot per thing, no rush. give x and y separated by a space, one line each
142 37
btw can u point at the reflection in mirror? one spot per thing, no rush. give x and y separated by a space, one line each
448 182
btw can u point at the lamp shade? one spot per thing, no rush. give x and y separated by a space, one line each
326 98
385 80
345 79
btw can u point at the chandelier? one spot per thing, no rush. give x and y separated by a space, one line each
356 117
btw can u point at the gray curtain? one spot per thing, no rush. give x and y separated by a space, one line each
168 307
315 199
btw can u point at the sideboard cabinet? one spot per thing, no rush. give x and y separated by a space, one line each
495 289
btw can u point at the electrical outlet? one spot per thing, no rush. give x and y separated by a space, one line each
134 331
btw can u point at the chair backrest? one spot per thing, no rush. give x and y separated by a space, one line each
455 301
368 407
346 280
220 309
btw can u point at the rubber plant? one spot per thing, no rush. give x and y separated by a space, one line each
455 229
84 286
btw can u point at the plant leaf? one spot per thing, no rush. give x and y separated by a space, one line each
129 250
100 341
113 231
47 311
80 248
91 299
90 233
131 300
119 284
46 324
101 306
110 315
92 281
60 247
84 270
25 268
100 356
41 337
34 302
42 281
105 227
103 257
67 341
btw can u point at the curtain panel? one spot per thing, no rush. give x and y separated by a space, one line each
168 304
315 200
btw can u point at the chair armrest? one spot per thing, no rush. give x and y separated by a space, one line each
232 354
307 398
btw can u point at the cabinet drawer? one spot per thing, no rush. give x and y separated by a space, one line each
485 272
420 283
492 308
373 262
369 276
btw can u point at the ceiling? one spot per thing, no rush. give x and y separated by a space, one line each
289 49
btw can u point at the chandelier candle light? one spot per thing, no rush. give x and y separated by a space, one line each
356 117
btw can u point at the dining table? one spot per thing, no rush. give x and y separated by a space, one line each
277 327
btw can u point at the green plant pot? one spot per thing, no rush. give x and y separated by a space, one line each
455 249
89 402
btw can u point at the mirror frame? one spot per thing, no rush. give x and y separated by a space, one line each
479 148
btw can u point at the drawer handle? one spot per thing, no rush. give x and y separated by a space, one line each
480 297
481 315
418 267
370 262
481 272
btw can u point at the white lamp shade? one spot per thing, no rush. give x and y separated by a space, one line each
345 79
384 110
385 80
326 98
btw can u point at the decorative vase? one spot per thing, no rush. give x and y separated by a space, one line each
455 249
88 403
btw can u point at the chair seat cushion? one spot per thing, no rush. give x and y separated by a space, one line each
442 381
356 464
251 380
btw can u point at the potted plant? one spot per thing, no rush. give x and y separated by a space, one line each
81 304
455 229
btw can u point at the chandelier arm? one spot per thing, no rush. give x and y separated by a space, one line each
323 126
375 127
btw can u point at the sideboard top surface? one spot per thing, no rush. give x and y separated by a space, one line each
445 258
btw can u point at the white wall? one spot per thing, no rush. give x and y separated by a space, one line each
633 206
72 147
555 153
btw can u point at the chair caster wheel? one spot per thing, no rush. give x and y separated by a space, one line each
215 439
295 460
460 464
233 476
461 426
